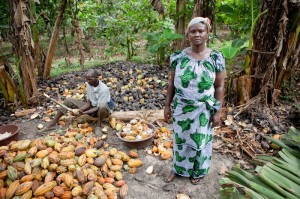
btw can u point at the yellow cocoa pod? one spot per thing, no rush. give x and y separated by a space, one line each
23 188
119 175
77 191
126 158
132 170
134 163
12 189
49 177
69 180
27 168
116 161
82 160
41 154
113 152
69 148
44 188
27 195
68 162
91 153
115 167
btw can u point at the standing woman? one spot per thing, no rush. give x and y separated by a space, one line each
196 86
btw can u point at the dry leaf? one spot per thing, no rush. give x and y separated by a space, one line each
222 170
35 115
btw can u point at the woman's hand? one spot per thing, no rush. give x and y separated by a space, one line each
215 120
167 113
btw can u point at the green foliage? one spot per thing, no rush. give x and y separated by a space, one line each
289 89
4 20
237 14
159 43
236 47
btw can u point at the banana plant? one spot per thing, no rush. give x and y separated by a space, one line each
276 177
159 43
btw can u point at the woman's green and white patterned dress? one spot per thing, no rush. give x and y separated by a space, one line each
193 105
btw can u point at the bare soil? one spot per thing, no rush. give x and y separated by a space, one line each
144 186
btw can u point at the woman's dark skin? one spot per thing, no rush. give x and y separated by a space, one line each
198 35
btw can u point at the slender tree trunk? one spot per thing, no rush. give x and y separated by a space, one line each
158 6
23 48
53 40
180 23
198 9
78 43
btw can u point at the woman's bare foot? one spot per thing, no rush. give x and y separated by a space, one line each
171 177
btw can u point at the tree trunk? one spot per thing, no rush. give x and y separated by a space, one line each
24 49
39 55
158 6
180 25
198 9
53 40
276 46
78 43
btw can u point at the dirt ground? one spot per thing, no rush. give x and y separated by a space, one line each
144 186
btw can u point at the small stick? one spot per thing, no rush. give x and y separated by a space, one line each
57 102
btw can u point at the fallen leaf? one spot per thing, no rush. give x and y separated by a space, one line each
35 115
222 170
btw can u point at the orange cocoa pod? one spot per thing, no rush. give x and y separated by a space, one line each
120 183
133 154
3 174
41 154
109 180
101 180
23 188
66 155
2 192
111 174
58 191
26 178
66 195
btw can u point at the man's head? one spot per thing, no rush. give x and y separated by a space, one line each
92 77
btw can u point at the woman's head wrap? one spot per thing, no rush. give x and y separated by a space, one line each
195 20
